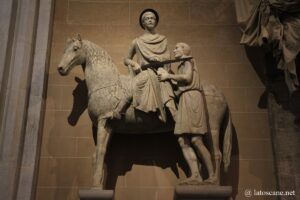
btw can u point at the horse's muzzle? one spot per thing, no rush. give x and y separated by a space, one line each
61 71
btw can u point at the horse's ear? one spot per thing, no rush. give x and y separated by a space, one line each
79 37
69 41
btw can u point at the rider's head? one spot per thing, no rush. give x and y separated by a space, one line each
149 19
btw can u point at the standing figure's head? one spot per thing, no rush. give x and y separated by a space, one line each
149 19
182 50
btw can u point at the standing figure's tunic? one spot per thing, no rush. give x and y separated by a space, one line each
149 94
191 116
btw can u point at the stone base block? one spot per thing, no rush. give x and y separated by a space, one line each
202 192
96 194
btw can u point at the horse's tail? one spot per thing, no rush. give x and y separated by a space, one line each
227 140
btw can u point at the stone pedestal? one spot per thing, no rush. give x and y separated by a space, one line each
202 192
96 194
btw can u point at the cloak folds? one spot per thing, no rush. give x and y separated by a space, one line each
149 94
276 22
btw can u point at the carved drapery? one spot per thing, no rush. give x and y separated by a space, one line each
275 23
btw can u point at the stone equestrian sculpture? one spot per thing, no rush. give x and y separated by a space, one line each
106 87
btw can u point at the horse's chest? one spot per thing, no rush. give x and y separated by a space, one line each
103 100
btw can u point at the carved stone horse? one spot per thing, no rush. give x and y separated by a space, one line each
105 89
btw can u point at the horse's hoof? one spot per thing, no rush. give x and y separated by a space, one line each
97 185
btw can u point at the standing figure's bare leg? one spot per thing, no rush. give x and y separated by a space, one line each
217 154
190 158
103 136
197 142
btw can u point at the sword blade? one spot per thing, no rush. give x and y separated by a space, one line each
159 64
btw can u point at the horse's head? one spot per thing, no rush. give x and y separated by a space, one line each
73 55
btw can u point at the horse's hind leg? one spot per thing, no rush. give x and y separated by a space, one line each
103 136
217 154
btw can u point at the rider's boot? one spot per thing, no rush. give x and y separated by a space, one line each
121 108
172 108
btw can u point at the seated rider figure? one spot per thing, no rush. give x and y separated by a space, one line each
149 95
190 119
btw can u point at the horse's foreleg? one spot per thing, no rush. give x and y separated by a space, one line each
217 154
103 136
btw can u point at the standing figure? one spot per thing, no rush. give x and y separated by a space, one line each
191 121
149 95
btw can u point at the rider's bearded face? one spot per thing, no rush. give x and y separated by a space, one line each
149 21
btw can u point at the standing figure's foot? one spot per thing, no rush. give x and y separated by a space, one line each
213 180
193 180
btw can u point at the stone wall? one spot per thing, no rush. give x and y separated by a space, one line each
148 167
286 139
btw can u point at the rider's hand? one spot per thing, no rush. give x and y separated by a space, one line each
136 67
154 59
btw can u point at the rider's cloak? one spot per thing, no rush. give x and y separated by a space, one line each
150 94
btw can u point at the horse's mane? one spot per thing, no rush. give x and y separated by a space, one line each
105 68
98 53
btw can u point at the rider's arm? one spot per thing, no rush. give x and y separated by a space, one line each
128 60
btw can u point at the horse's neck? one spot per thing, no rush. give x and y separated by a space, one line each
100 71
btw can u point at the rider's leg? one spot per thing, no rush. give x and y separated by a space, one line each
122 107
190 157
172 108
197 142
